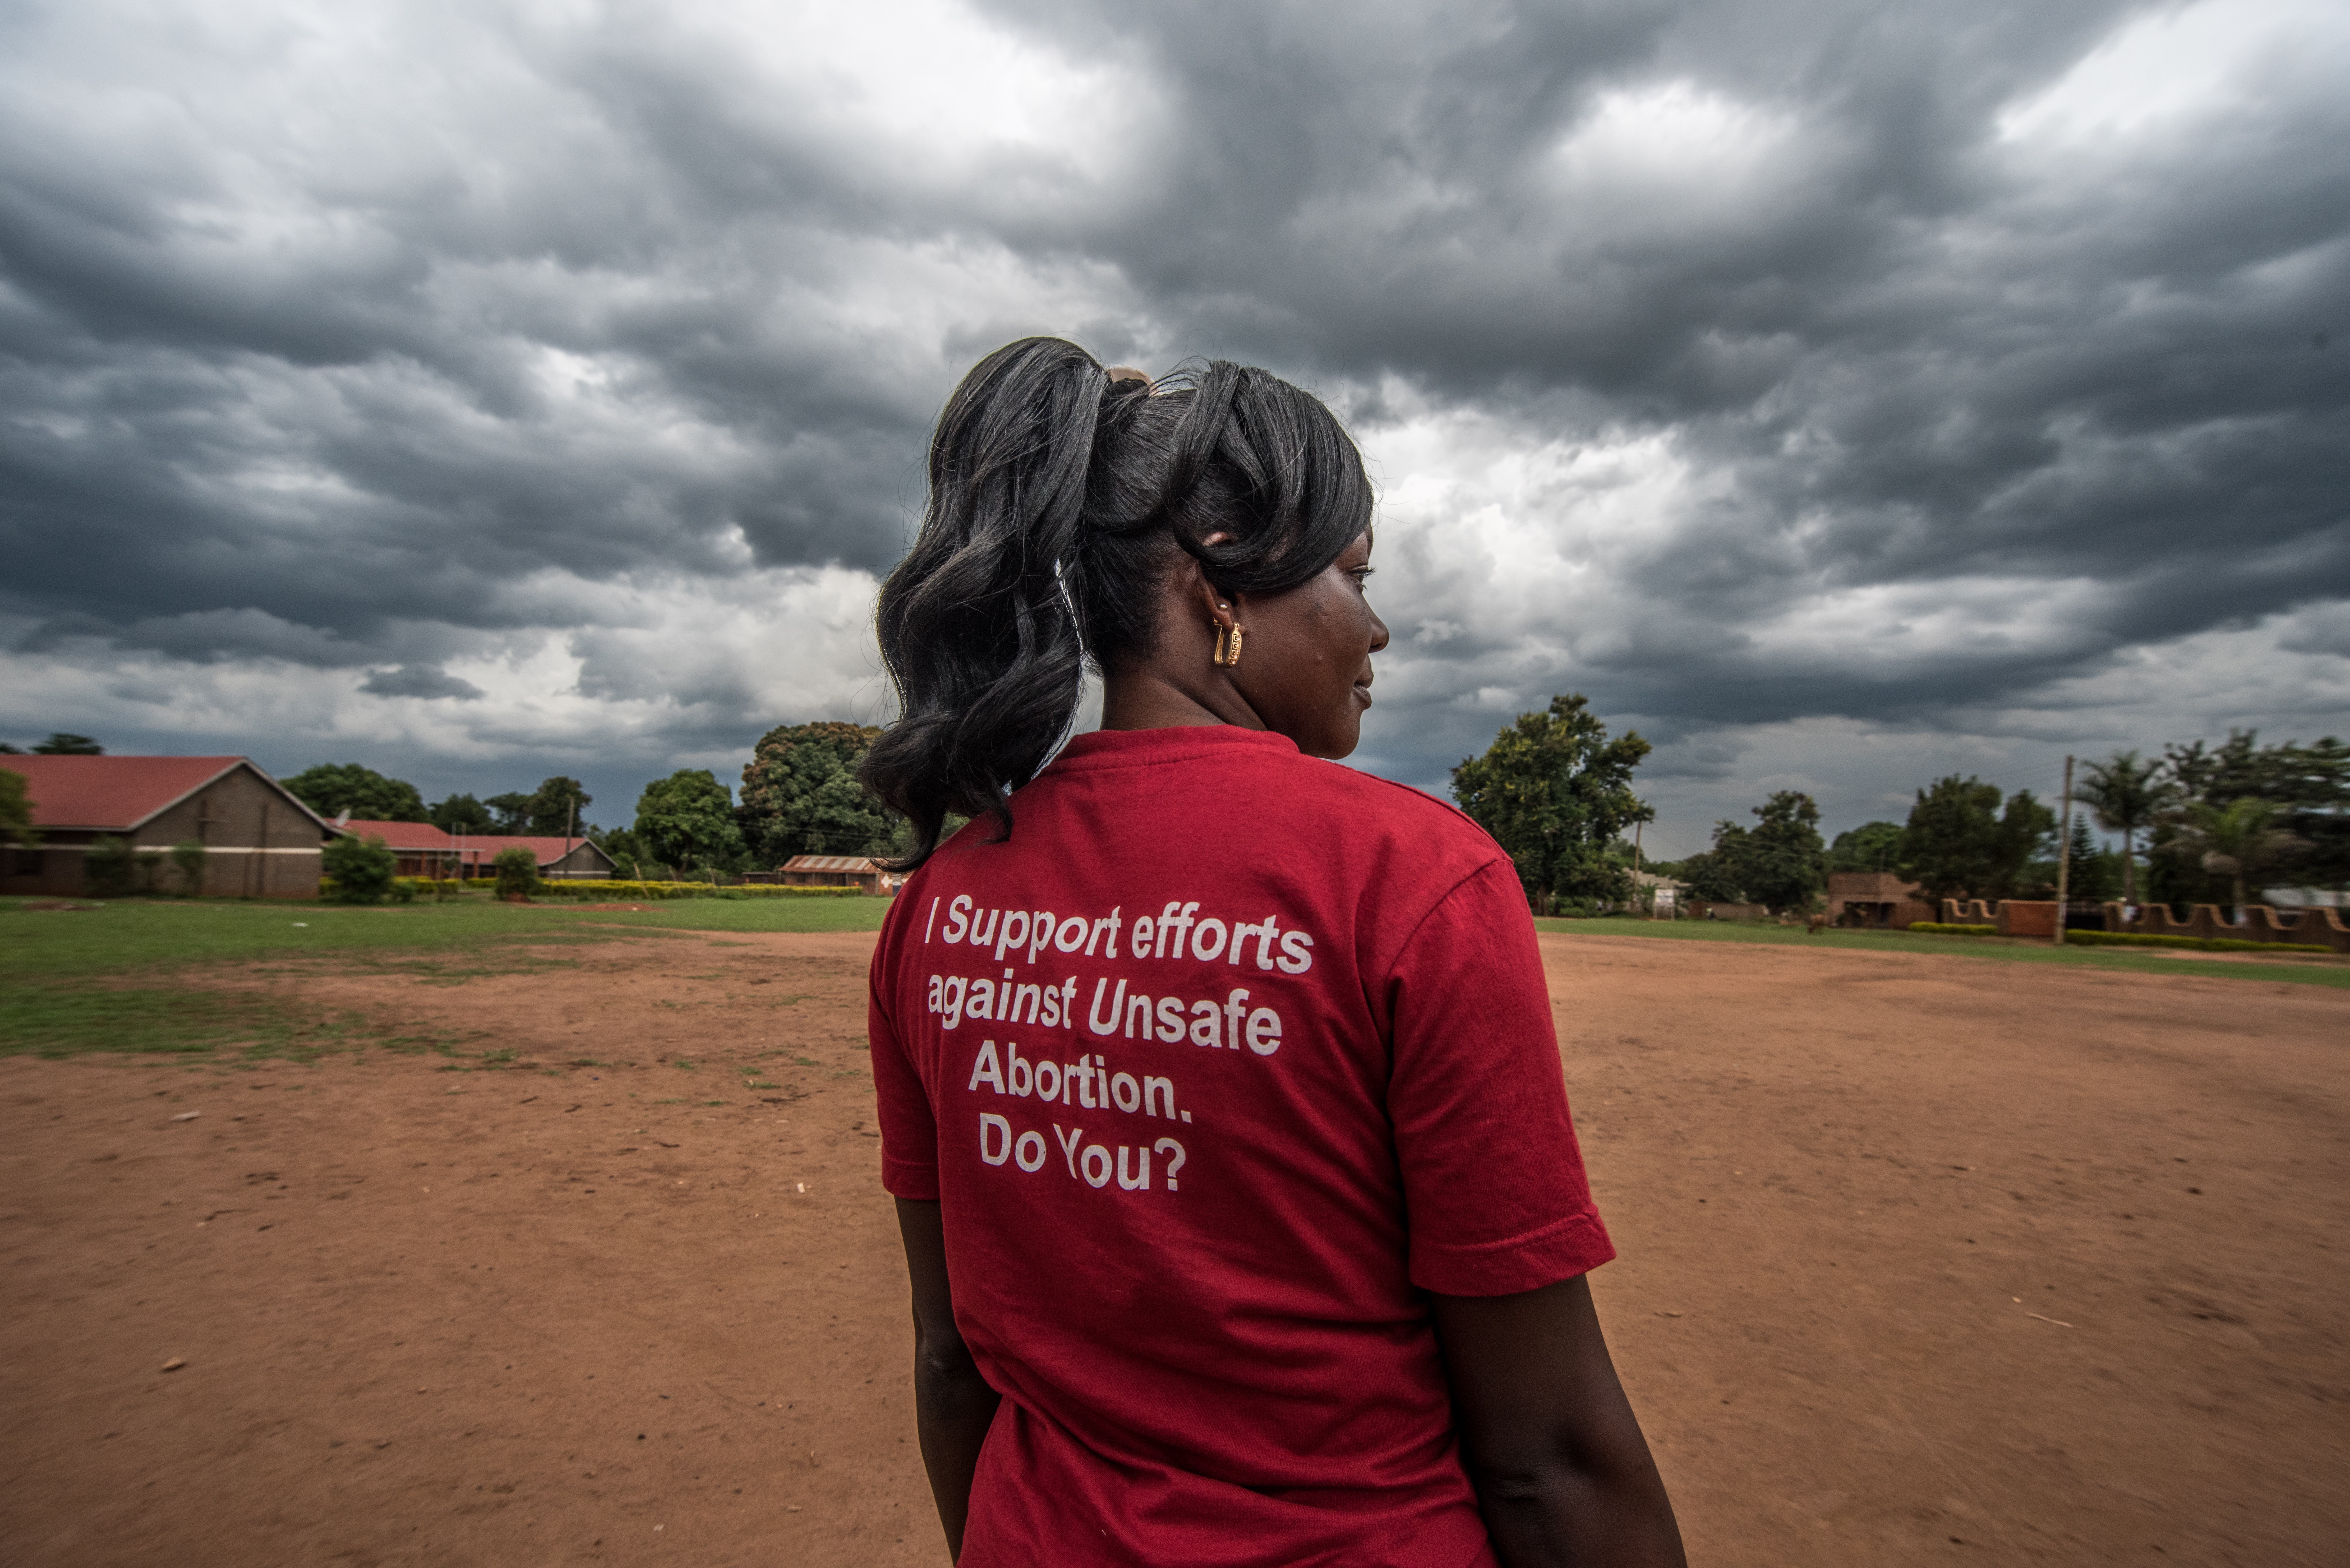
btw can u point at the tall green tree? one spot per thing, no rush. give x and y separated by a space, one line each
463 813
2309 785
800 794
1552 790
510 812
2126 792
1960 844
688 819
330 789
1779 863
558 807
62 744
1871 847
2089 870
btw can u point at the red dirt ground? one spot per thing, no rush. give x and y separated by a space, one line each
1925 1260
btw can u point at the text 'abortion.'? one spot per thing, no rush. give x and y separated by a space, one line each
1088 1083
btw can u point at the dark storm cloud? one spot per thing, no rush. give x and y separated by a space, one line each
410 680
348 388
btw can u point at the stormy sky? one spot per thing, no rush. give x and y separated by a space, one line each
1840 394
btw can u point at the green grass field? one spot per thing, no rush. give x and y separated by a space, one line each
118 977
115 977
2295 968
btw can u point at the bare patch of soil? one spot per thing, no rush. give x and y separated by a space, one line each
1924 1258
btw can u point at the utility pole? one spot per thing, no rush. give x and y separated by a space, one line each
2065 853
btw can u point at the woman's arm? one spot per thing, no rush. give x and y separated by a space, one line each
1562 1471
952 1403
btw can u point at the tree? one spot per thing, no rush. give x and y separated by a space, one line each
800 794
461 813
1959 844
62 744
630 855
2089 870
2309 785
2237 841
1871 847
188 858
557 809
688 820
332 789
2026 836
2126 794
17 812
1710 875
360 868
510 812
518 870
1779 863
1552 790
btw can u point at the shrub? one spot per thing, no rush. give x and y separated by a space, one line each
109 866
1940 928
518 870
188 858
359 870
646 892
2203 944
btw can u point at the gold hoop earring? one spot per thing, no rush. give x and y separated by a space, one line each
1227 642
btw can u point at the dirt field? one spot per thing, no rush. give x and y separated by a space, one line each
1925 1260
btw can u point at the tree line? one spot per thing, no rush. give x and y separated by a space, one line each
799 795
2200 824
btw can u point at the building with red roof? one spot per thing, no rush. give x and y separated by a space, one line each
425 850
259 840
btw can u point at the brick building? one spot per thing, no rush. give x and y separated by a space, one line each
259 840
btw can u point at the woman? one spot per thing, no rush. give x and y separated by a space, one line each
1218 1087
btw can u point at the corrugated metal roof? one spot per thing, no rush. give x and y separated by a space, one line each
861 865
115 794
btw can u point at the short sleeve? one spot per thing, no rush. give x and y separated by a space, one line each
1494 1189
909 1128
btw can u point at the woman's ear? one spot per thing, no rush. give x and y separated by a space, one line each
1217 606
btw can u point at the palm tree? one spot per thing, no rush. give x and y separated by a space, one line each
2234 841
2126 792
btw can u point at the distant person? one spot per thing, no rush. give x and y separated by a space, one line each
1218 1085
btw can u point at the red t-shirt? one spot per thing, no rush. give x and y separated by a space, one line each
1216 1066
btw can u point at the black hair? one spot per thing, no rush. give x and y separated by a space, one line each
1058 501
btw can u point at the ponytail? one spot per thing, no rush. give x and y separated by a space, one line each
1058 501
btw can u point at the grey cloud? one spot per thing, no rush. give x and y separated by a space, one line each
415 680
603 300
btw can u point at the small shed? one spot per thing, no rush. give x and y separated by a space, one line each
838 871
259 841
1878 899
